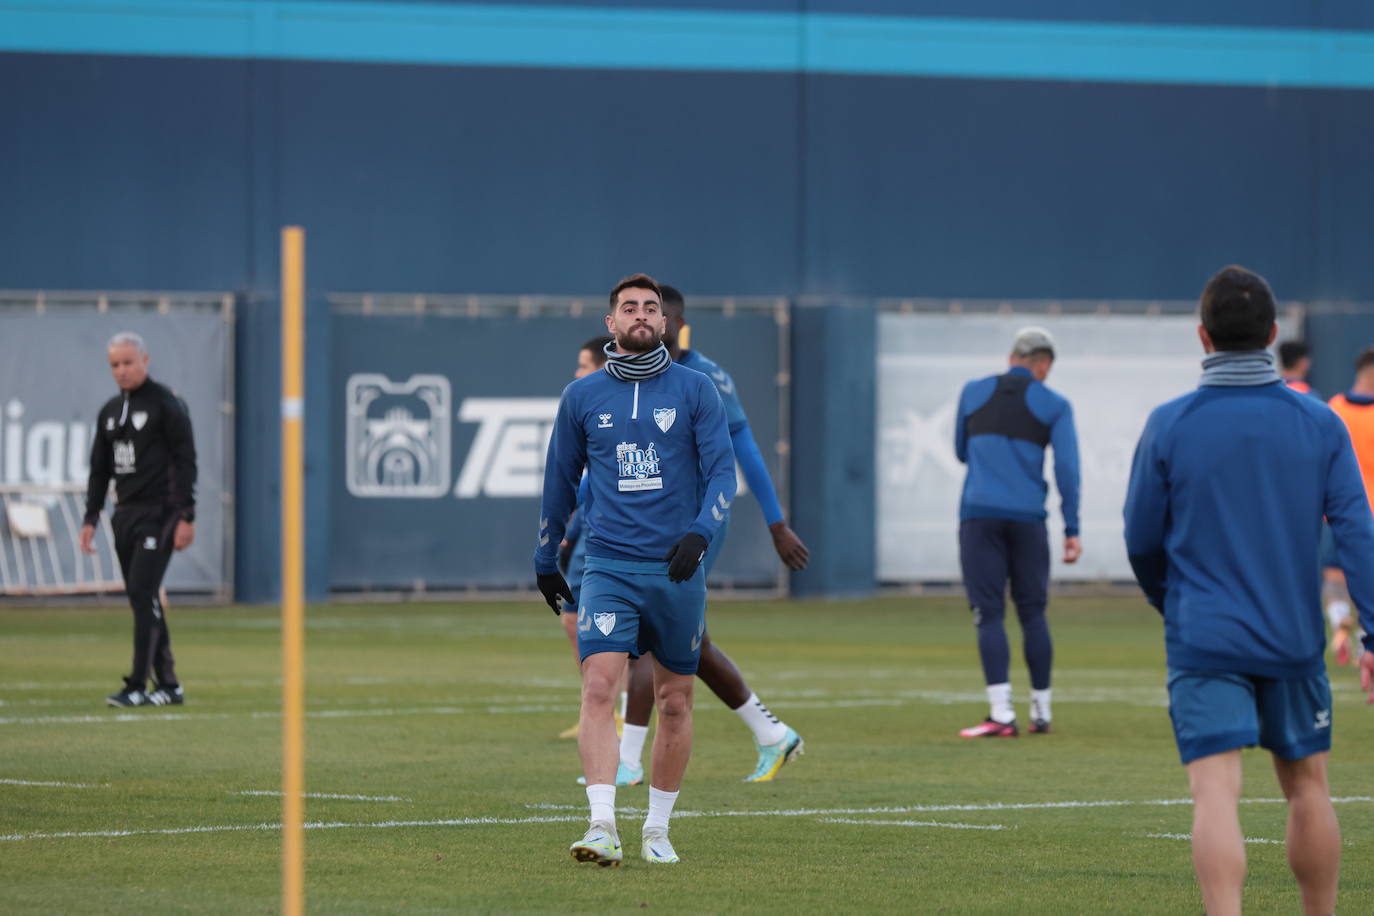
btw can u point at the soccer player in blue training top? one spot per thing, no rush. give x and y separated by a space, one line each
572 552
1223 515
653 439
1002 428
777 743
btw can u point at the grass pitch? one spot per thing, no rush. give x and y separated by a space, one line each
439 785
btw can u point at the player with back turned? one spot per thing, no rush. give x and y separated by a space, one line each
143 441
1223 514
653 439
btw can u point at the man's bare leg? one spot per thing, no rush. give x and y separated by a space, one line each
1314 837
1218 846
596 741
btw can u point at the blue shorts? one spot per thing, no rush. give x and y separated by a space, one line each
633 607
1215 712
573 574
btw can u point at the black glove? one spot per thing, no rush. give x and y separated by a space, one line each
685 557
553 587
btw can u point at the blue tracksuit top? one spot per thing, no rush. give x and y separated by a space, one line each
658 461
1001 431
741 436
1223 522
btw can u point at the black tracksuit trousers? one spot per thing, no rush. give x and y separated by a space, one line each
143 541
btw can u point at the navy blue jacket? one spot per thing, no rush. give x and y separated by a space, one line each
1003 426
1223 523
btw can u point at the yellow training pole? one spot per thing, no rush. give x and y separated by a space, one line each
292 570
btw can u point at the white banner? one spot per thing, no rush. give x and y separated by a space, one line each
1114 369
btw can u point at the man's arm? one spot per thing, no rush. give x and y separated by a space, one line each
1347 511
1064 441
789 547
97 485
181 450
961 427
1147 517
716 457
563 466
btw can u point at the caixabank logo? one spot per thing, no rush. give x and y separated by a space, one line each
399 440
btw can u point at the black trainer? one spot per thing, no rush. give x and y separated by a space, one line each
129 696
167 696
1040 727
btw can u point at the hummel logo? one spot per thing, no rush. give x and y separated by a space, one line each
723 381
696 640
584 623
605 421
1323 719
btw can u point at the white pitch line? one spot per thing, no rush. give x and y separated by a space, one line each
1189 836
579 817
159 716
377 798
852 820
56 785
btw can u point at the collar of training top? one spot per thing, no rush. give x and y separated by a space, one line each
636 367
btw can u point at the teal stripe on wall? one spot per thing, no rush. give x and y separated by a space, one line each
600 38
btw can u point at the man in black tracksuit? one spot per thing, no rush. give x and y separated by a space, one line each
143 440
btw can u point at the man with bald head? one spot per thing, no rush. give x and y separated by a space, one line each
143 442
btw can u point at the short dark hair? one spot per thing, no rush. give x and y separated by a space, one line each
1291 352
1365 359
636 281
672 298
597 348
1237 309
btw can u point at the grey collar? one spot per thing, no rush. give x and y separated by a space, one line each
1238 368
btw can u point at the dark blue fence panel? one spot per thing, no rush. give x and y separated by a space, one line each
440 425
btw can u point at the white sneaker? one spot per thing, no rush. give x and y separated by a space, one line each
657 849
600 845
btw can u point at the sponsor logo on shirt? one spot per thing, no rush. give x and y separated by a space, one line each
638 467
124 457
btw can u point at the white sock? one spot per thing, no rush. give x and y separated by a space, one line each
660 809
602 800
632 744
767 728
1040 704
999 700
624 703
1337 611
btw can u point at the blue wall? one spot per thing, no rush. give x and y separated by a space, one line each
175 172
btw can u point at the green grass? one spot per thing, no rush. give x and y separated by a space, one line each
454 708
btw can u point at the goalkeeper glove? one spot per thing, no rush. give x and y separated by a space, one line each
553 586
685 556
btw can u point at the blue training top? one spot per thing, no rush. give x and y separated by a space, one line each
1001 431
1223 523
658 460
741 436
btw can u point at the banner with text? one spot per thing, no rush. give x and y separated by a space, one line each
442 423
1113 369
54 377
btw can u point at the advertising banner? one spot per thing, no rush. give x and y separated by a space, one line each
1114 369
54 377
442 423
